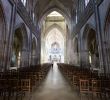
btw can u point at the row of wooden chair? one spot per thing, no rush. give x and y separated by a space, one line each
16 83
87 81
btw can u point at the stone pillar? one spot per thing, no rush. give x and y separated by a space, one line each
34 60
10 36
85 58
39 47
2 54
83 53
99 36
30 48
24 58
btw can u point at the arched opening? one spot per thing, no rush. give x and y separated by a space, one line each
53 38
89 48
92 49
34 52
54 46
17 48
20 52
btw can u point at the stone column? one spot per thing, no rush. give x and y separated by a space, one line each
34 60
10 36
24 58
99 36
39 47
30 48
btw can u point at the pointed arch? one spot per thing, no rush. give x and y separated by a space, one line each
55 26
20 54
86 32
54 36
58 35
55 8
90 47
23 30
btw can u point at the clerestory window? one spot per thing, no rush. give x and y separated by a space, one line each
24 2
86 2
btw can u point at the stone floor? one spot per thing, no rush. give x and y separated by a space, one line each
55 87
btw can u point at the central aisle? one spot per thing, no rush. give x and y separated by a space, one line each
54 87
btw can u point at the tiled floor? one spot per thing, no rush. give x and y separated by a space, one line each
55 87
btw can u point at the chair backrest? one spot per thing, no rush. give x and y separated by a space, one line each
96 85
3 83
13 84
25 85
84 85
75 80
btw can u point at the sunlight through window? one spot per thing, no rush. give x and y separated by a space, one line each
86 2
24 2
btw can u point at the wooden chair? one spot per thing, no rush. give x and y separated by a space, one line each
106 88
14 89
25 85
75 80
96 87
84 87
3 87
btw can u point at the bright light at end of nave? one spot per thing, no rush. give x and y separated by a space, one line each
54 13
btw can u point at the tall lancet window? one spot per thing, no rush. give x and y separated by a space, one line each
86 2
33 16
24 2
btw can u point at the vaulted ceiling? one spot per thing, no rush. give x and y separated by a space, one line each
43 6
66 3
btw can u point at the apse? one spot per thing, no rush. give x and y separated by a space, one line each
54 46
53 38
